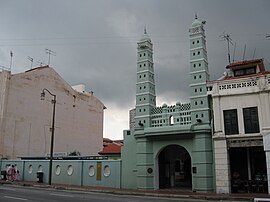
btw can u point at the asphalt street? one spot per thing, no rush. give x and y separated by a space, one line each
13 193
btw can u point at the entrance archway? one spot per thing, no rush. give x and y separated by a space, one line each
174 165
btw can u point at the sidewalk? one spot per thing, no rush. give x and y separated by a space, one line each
169 193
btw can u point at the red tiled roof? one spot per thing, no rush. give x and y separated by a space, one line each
37 68
112 148
241 64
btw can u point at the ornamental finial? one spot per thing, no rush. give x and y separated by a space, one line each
196 17
145 32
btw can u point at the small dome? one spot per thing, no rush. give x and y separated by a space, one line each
196 23
164 105
145 36
178 104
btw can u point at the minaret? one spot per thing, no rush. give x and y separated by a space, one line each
145 85
199 73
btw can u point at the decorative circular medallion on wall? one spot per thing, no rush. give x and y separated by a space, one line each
91 171
30 169
149 170
107 171
70 170
57 170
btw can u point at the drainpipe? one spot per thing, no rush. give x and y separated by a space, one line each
82 173
23 168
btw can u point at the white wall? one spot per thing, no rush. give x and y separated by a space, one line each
26 132
239 98
238 94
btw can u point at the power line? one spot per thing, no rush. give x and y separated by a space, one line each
107 40
117 37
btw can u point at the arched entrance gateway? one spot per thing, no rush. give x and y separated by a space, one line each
174 165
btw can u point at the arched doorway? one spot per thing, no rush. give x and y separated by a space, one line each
174 165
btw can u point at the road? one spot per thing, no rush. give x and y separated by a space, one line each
11 193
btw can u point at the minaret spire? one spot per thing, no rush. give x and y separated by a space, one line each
145 32
199 74
145 85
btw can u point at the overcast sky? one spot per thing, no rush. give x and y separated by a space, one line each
95 43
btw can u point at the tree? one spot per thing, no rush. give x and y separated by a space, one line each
74 153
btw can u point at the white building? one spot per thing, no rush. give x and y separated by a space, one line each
241 112
25 119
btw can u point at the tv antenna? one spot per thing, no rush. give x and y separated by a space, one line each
234 47
227 37
31 60
254 53
244 54
50 52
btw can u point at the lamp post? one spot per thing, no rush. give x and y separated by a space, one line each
53 101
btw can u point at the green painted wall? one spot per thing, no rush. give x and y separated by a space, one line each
129 169
145 161
70 172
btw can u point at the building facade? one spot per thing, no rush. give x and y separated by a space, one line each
25 119
170 146
241 127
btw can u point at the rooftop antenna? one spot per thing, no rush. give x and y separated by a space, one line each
254 53
234 51
31 60
227 37
11 56
50 52
244 54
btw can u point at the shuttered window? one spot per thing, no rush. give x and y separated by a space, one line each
251 120
230 122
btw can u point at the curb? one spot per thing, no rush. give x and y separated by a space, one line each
135 193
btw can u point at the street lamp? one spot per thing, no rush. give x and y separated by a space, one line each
53 101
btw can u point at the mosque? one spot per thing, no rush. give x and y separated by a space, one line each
170 146
218 142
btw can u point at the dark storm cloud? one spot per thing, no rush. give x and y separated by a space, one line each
95 43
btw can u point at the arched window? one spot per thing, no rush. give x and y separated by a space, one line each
171 120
